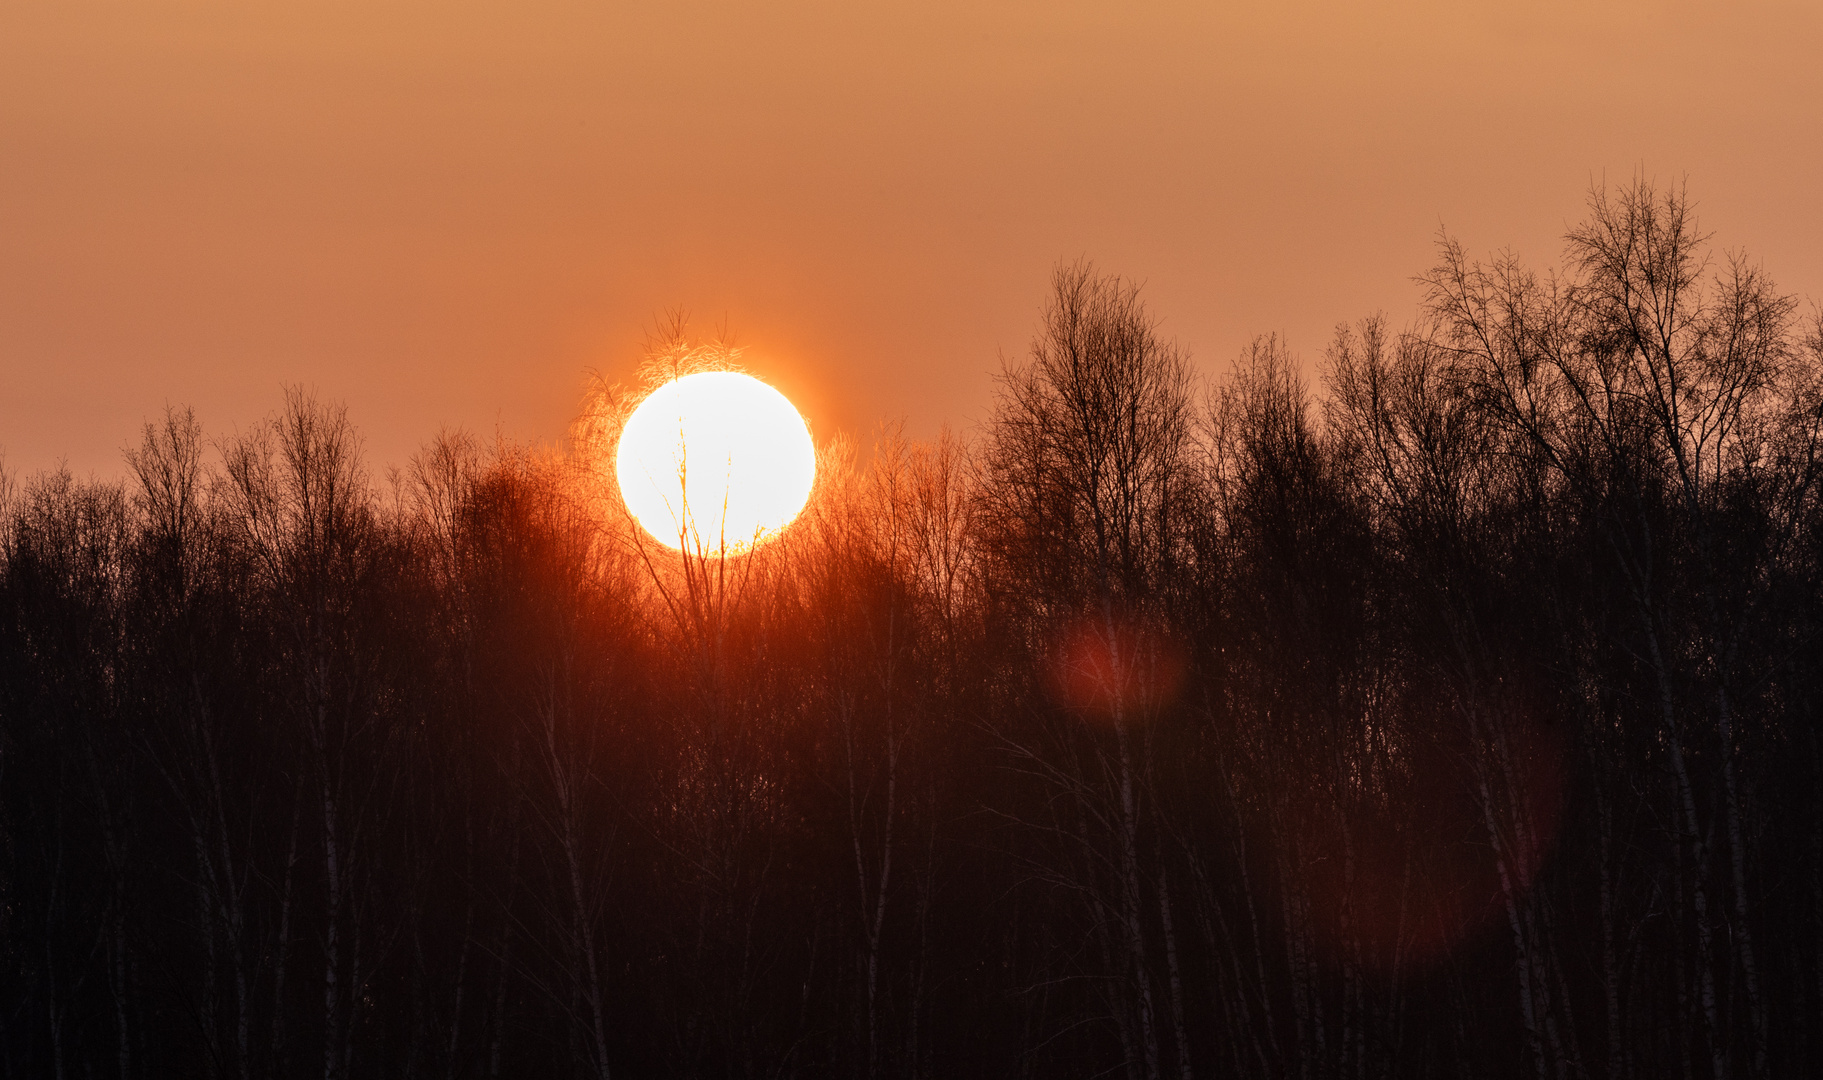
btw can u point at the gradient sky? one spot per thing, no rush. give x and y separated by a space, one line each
445 212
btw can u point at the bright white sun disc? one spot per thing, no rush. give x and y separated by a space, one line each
715 462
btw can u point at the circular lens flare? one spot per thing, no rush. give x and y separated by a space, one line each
715 463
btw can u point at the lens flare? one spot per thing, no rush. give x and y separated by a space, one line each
715 463
1116 669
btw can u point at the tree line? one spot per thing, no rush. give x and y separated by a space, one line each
1452 713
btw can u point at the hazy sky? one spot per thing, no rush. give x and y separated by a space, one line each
445 212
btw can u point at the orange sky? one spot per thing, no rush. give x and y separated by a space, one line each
444 212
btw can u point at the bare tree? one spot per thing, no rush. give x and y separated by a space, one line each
1651 386
297 501
1087 469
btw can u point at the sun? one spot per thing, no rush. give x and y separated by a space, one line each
715 463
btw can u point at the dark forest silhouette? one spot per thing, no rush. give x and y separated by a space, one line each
1459 717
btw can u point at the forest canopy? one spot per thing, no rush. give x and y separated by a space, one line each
1446 706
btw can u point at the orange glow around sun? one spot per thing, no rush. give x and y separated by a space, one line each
715 463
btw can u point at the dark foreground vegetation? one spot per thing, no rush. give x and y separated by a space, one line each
1456 717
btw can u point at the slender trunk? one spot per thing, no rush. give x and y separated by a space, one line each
1392 1014
114 914
1253 925
332 937
414 1049
206 909
916 1024
1699 904
1123 1015
1511 900
1237 1003
55 1014
357 990
1693 837
468 940
54 1011
1688 1023
1816 882
497 1040
282 944
583 929
1535 909
218 884
1297 957
1737 852
1130 901
121 985
879 917
873 907
1610 961
1351 961
1176 977
868 942
582 924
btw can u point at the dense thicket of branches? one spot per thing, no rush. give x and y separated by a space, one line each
1460 717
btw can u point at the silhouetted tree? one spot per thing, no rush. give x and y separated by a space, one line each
1450 707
